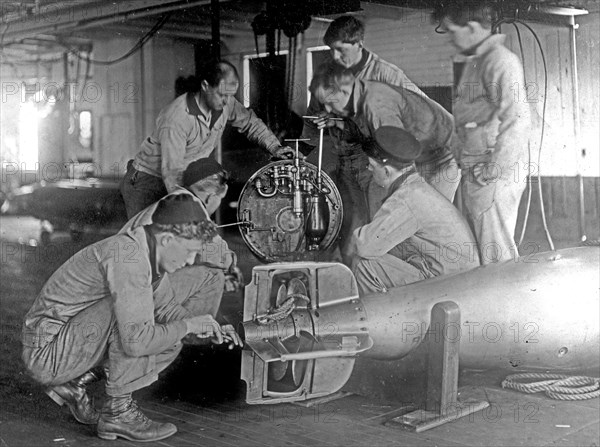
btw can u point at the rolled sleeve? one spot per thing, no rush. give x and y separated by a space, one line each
246 122
173 142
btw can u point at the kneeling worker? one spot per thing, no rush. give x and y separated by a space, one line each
199 287
417 233
98 314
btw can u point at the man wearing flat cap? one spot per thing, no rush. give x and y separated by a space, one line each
108 313
416 234
199 287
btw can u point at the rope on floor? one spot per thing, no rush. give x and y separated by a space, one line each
556 386
590 243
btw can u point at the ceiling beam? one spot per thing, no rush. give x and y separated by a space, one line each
191 26
166 31
52 19
18 56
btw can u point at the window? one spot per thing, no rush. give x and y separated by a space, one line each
84 152
264 76
315 56
28 134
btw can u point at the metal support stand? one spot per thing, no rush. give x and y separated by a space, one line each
316 402
442 404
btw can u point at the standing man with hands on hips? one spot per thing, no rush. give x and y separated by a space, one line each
493 123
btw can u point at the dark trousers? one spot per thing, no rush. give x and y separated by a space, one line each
346 166
140 190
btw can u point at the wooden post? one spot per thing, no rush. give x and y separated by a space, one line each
442 404
444 340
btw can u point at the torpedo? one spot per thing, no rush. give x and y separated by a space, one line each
305 323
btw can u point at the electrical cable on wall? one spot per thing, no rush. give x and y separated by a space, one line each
77 53
138 46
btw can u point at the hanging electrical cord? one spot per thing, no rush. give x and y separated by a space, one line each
138 46
540 194
529 190
543 124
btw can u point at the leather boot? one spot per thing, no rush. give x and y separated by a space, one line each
120 416
74 394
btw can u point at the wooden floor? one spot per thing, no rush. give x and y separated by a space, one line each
202 394
512 420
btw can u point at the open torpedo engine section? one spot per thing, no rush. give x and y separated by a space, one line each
300 348
289 210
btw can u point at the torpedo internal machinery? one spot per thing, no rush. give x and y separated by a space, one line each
305 323
289 210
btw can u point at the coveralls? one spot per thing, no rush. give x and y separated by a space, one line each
374 104
493 121
415 235
202 283
184 133
343 158
108 305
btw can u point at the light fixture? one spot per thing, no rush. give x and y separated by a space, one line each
562 11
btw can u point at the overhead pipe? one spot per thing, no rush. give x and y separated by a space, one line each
17 29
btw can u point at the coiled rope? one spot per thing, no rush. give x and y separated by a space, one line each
556 386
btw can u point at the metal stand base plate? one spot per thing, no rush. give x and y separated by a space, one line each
322 400
421 420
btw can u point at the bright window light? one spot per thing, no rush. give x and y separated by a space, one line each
85 128
28 136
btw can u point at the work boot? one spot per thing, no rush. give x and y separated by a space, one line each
74 394
120 416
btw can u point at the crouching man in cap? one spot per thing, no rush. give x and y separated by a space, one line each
109 311
417 233
199 287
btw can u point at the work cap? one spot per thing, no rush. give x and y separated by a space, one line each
178 209
393 143
201 169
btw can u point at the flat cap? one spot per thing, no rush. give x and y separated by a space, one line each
201 169
178 209
394 143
